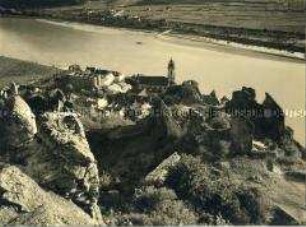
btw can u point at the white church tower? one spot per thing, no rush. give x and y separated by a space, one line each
171 72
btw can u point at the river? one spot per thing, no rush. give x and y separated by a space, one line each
214 67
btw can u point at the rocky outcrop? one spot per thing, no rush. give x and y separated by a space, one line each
267 118
61 161
17 122
211 99
191 92
187 93
55 154
163 124
23 201
273 124
222 134
241 135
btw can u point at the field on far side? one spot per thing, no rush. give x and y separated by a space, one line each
281 15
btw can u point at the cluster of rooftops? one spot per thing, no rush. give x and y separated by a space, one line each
152 84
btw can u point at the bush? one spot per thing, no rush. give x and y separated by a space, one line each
173 212
161 207
211 193
148 198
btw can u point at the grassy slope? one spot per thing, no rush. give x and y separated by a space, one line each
22 71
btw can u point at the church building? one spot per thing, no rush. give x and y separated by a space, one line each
156 84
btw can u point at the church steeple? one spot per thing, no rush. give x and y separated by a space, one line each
171 71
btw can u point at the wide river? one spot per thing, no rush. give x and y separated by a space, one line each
214 67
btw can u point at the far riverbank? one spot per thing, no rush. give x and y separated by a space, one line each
199 41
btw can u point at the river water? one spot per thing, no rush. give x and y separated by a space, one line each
214 67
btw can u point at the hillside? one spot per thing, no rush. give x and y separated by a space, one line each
68 155
22 71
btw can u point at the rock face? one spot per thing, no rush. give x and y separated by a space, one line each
61 161
267 118
24 202
221 134
18 122
274 120
241 135
55 154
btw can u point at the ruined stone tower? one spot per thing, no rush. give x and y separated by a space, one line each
171 71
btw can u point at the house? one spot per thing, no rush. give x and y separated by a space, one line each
89 79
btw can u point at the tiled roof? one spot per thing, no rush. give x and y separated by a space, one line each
153 80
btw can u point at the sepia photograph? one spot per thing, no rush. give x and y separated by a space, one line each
152 112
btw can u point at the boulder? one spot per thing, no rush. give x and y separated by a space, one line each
282 217
23 201
158 176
